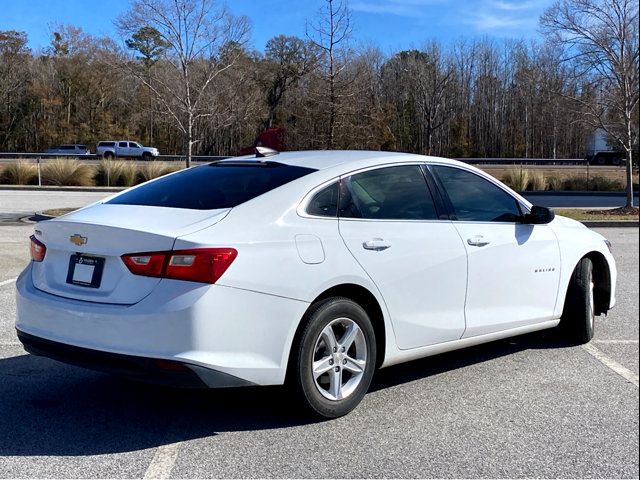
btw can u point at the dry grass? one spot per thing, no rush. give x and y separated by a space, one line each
554 183
584 214
516 178
152 170
116 173
21 172
66 172
537 181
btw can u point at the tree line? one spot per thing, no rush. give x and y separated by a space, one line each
185 80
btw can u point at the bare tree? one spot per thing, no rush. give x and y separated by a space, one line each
600 38
330 32
196 34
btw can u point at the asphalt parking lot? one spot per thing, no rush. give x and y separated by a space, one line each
524 407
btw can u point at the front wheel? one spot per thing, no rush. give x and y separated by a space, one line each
334 360
578 316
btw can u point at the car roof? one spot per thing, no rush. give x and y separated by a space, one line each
324 159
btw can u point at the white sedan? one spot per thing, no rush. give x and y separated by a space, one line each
310 268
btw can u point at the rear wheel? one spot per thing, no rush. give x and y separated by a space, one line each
108 155
578 317
334 360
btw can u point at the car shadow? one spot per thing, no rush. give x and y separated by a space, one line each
49 408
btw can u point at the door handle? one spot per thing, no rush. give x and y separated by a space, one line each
376 244
478 241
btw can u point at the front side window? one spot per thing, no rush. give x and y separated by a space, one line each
476 199
133 145
325 202
390 193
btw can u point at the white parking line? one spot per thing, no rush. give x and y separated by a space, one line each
612 364
163 461
7 282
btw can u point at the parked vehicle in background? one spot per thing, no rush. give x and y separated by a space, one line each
125 148
70 149
600 150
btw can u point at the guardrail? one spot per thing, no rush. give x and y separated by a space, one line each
211 158
93 156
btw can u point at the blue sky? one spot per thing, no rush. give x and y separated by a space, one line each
391 24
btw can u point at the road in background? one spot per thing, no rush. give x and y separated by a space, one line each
578 200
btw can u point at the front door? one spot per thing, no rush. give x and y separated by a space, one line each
514 268
389 223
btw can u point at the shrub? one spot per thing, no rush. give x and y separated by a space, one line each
595 184
66 171
152 170
116 173
554 183
537 181
575 183
517 179
21 172
603 184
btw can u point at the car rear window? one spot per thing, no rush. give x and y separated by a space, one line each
212 186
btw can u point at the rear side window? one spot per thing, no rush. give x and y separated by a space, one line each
122 144
67 147
212 186
325 202
476 199
391 193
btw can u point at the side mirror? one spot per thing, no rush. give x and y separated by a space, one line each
539 216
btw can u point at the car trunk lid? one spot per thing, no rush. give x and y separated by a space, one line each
94 238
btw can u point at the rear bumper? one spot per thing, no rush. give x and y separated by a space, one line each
209 328
150 370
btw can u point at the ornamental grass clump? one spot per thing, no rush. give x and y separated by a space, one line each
116 173
67 172
21 172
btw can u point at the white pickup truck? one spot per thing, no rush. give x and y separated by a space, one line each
125 148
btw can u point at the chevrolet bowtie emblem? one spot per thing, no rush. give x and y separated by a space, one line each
78 239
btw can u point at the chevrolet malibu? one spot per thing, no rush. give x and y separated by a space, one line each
311 269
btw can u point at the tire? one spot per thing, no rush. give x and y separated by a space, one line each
146 156
578 316
600 160
108 155
346 370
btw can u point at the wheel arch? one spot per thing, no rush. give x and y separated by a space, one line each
363 297
601 280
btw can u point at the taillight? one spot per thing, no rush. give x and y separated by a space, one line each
37 249
204 265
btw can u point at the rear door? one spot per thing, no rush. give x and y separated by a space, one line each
390 223
122 149
514 268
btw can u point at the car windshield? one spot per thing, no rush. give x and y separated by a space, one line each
212 186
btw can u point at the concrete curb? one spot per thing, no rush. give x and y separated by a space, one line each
52 188
611 223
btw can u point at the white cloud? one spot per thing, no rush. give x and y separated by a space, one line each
403 8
